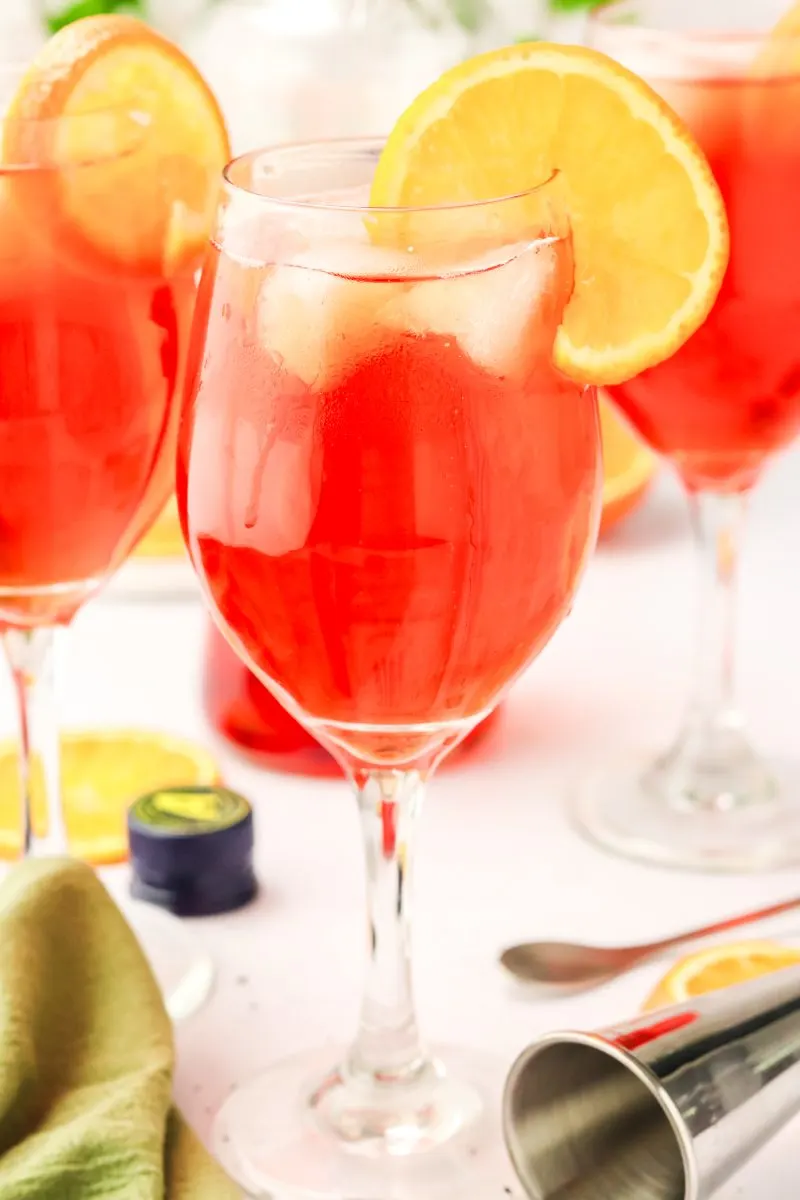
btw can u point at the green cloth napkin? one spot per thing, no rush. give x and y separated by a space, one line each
86 1052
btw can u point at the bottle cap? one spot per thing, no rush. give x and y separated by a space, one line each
191 850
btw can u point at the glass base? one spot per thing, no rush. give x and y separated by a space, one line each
638 812
288 1135
183 971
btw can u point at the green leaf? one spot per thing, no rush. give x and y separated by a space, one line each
572 6
470 14
92 8
522 38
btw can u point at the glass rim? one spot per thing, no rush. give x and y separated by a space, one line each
331 206
601 16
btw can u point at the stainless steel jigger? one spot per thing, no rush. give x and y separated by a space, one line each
668 1106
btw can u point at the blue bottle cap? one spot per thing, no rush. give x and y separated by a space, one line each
191 850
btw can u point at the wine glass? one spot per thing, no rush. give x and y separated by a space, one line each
388 494
91 364
718 410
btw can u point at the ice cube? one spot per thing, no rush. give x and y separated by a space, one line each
318 324
285 482
355 257
490 311
259 469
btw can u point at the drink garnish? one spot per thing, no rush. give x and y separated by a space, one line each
779 55
648 221
112 96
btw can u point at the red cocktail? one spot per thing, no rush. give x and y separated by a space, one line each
110 146
91 359
730 397
389 522
394 545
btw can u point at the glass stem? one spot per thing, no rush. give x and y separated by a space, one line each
718 522
388 1047
30 657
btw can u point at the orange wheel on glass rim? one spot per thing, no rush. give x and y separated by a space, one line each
648 221
780 52
112 97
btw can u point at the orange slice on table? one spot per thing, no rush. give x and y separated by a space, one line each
628 467
648 222
102 773
720 967
124 107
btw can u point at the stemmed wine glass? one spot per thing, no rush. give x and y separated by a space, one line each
389 494
92 355
718 410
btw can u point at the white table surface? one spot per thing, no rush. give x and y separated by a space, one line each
497 861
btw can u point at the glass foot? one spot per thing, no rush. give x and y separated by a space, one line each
184 972
288 1136
649 814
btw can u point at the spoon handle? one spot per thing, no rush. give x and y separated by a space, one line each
763 914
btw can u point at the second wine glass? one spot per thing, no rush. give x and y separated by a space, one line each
101 235
718 410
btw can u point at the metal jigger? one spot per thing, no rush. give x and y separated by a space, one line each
665 1107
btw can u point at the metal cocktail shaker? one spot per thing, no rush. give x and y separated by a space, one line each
667 1106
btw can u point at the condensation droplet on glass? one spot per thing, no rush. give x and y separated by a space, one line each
267 440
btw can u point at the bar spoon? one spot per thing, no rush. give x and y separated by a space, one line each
568 964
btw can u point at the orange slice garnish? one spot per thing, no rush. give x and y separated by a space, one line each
648 221
135 134
720 967
628 465
769 110
102 773
780 51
